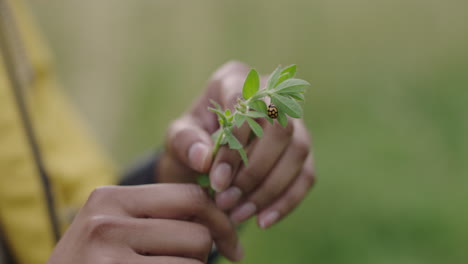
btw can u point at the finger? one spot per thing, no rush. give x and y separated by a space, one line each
207 119
169 260
176 201
283 173
290 199
162 237
228 160
263 155
139 259
190 144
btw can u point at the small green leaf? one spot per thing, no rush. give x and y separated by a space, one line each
220 115
216 111
292 86
251 84
203 180
297 96
227 112
291 70
255 114
287 73
273 80
223 141
239 119
256 128
215 135
282 119
243 156
259 105
233 142
287 105
216 105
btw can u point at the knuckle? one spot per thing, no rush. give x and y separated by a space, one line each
198 198
251 177
101 226
100 194
301 148
234 66
230 67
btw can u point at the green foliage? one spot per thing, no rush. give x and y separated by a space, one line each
287 73
251 84
256 128
287 105
283 90
203 180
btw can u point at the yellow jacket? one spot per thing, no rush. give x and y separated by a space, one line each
72 161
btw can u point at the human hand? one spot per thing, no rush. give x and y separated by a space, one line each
159 223
280 170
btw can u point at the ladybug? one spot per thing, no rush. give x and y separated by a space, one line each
272 111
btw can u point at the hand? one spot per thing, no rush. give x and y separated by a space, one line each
280 170
161 223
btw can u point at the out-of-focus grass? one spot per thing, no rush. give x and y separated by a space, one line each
388 108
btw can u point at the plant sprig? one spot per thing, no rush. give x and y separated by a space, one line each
284 91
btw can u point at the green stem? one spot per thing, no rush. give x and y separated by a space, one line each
218 143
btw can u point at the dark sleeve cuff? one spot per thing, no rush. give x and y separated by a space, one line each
143 172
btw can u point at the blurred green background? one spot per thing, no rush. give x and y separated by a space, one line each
388 110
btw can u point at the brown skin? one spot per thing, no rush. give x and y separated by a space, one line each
177 223
158 223
281 169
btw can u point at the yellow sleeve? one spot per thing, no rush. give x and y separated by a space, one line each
74 162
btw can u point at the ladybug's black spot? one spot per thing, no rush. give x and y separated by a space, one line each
272 111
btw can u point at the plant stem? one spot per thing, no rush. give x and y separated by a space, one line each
218 143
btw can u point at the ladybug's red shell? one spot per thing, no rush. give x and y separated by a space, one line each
272 111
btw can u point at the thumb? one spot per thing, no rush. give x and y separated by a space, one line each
190 144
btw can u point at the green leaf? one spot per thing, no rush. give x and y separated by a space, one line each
259 105
223 140
239 119
233 142
251 84
273 80
219 114
287 105
297 96
216 105
215 135
292 86
282 119
243 156
255 114
227 112
291 70
287 73
203 180
271 120
256 128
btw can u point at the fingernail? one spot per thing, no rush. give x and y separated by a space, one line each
197 155
269 219
239 254
243 213
221 177
227 199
